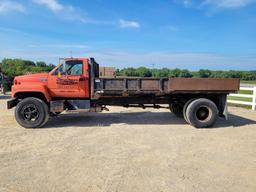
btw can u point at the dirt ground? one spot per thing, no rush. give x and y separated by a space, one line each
128 150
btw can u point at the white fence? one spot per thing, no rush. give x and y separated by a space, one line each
252 96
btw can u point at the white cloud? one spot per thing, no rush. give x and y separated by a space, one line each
60 46
53 5
187 3
7 6
128 24
219 4
228 4
67 12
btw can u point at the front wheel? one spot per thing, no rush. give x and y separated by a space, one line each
32 112
202 113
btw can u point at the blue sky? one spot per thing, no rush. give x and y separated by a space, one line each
192 34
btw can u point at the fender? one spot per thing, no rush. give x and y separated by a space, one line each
29 87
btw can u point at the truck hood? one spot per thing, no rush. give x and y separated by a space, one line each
32 78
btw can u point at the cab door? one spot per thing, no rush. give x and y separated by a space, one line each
70 79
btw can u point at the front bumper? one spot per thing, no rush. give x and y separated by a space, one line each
12 103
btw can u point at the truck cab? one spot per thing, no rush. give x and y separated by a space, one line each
70 79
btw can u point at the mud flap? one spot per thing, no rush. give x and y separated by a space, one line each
12 103
225 112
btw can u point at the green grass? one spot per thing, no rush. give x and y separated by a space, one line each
240 98
239 105
248 82
245 92
236 98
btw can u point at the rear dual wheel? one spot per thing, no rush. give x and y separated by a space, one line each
200 113
32 112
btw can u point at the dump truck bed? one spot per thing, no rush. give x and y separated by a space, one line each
162 86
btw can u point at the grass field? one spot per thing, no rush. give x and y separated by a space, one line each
245 92
248 82
241 98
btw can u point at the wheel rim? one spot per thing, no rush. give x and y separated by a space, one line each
203 113
30 113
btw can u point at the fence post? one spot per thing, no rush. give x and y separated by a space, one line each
254 99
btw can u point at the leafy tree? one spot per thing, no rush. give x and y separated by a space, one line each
175 73
185 73
131 72
14 67
144 72
41 64
204 73
164 72
118 72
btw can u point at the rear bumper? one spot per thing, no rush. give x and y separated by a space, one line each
12 103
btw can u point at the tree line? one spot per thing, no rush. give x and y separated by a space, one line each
202 73
14 67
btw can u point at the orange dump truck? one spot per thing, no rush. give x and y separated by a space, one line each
75 85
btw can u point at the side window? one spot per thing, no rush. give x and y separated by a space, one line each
76 69
73 67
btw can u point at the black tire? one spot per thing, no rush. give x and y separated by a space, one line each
185 108
176 110
202 113
32 112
